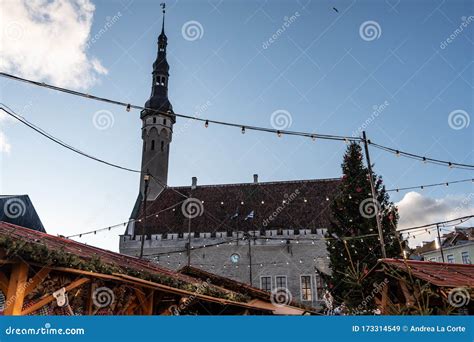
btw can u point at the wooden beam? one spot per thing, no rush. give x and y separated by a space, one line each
409 299
140 297
37 278
3 283
16 289
384 300
199 296
48 299
149 304
90 302
131 309
166 311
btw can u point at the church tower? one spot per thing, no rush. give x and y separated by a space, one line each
157 124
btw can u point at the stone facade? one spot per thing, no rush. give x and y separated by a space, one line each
286 255
459 254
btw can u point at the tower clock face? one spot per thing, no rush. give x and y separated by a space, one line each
235 258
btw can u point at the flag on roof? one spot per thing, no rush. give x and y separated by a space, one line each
250 216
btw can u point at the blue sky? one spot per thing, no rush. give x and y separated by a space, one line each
320 69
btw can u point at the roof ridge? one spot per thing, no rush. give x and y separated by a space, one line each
322 180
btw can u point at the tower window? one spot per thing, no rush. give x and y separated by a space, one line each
154 120
162 146
153 145
164 122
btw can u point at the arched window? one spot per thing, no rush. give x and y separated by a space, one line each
162 146
153 145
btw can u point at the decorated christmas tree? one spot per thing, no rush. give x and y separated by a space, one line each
353 241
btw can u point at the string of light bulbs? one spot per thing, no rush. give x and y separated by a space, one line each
129 106
58 141
108 228
242 127
39 130
424 186
424 159
444 223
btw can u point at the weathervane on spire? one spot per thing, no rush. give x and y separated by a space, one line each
163 6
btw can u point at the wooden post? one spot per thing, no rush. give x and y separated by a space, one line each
90 302
148 306
16 289
384 300
3 283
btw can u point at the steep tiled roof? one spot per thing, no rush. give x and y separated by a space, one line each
18 209
300 204
437 273
86 252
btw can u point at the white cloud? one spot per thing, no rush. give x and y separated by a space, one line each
416 209
46 40
4 145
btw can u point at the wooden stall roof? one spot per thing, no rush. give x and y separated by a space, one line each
123 262
437 273
224 282
262 298
85 251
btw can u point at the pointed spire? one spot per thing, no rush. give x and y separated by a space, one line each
163 7
159 90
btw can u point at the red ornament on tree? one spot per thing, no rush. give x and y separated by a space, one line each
358 189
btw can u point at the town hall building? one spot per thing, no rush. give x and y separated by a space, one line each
267 234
